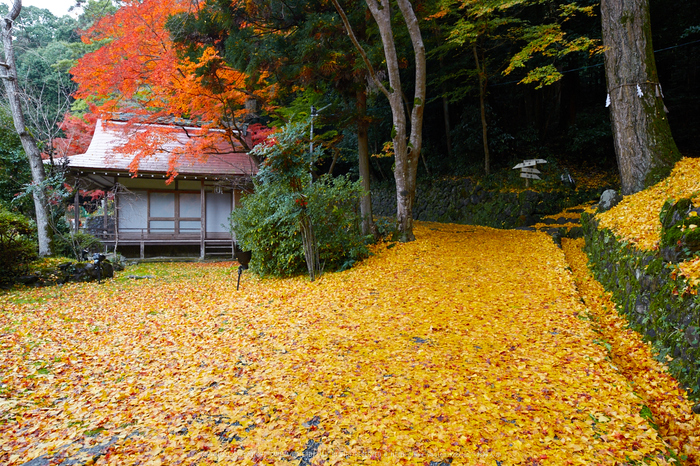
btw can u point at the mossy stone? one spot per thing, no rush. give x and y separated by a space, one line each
674 211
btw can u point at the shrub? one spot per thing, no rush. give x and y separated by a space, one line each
70 245
271 220
333 206
267 224
17 249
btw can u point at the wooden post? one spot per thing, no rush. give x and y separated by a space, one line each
76 207
203 220
116 218
528 170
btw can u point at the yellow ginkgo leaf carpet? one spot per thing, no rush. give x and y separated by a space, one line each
469 346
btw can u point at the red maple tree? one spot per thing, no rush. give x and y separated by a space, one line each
78 132
139 74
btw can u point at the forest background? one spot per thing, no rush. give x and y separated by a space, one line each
506 81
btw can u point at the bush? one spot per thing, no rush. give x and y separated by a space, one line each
70 245
270 221
267 224
17 249
334 210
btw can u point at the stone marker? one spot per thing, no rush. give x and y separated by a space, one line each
608 200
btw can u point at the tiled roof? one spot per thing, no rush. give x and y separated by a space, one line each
102 156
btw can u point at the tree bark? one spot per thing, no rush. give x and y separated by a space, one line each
8 72
446 116
481 70
644 146
406 147
308 239
363 156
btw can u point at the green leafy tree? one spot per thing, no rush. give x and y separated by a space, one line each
290 221
42 43
9 77
14 167
301 48
17 249
505 36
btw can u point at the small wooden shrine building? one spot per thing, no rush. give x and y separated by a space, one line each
151 216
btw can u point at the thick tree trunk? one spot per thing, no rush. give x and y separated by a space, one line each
363 156
481 70
8 72
644 145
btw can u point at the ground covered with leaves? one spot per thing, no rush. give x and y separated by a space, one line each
468 346
636 217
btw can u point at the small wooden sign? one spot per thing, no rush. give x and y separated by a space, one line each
529 163
528 170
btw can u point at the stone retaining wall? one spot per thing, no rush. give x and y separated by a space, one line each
657 300
466 202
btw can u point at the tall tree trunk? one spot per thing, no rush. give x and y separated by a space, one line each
481 70
363 156
406 147
644 146
448 127
9 77
446 117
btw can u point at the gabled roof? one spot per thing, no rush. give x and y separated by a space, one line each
102 155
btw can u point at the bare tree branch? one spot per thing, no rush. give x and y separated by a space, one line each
361 50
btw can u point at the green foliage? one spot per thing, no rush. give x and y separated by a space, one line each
268 224
334 210
690 31
14 166
71 244
17 249
56 193
41 42
548 41
541 41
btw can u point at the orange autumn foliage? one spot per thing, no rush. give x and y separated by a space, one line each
140 73
78 134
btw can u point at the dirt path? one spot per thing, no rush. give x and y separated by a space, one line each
469 346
